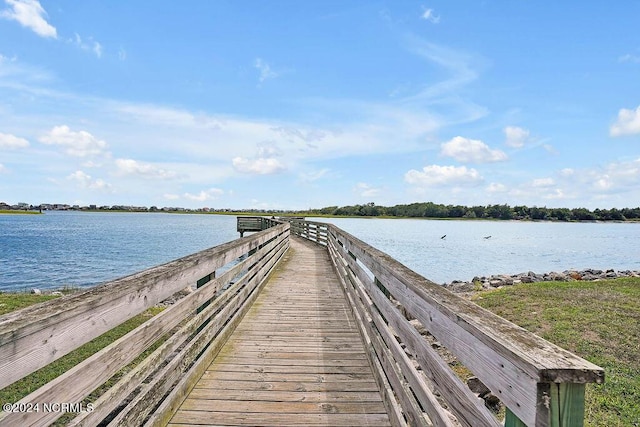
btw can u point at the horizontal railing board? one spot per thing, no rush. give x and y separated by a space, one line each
392 371
142 405
509 377
548 362
35 336
117 393
390 401
469 409
170 404
394 359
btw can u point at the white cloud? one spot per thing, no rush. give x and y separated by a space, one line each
145 170
204 195
365 190
603 183
77 144
313 176
628 123
3 169
543 183
266 72
171 196
259 166
88 45
458 64
288 141
471 150
86 181
429 15
97 49
11 141
435 175
122 54
612 178
269 149
629 58
557 194
516 136
496 187
30 14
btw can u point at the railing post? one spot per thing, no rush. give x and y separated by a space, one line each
200 283
567 404
510 420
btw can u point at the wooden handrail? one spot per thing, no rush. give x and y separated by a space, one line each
36 336
540 383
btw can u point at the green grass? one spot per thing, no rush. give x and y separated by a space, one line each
15 301
30 383
599 321
16 212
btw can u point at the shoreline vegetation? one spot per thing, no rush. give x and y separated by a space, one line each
597 320
18 212
428 210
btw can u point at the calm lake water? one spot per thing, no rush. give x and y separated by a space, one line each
84 249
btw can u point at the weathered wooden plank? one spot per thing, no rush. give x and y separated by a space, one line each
286 396
333 367
202 418
273 377
281 407
292 358
299 386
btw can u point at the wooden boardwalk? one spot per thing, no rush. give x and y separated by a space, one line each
296 358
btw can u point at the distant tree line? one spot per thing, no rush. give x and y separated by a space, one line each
506 212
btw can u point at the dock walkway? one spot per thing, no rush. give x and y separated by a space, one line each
296 358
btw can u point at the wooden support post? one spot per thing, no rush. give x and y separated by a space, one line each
567 405
510 420
206 279
380 286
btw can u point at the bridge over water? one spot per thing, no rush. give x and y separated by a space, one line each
299 323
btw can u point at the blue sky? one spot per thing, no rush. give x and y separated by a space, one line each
294 105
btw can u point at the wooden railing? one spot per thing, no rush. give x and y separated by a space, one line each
540 383
255 223
189 334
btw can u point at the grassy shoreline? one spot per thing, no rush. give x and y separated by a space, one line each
17 212
599 321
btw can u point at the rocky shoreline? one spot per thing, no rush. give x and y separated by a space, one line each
499 280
